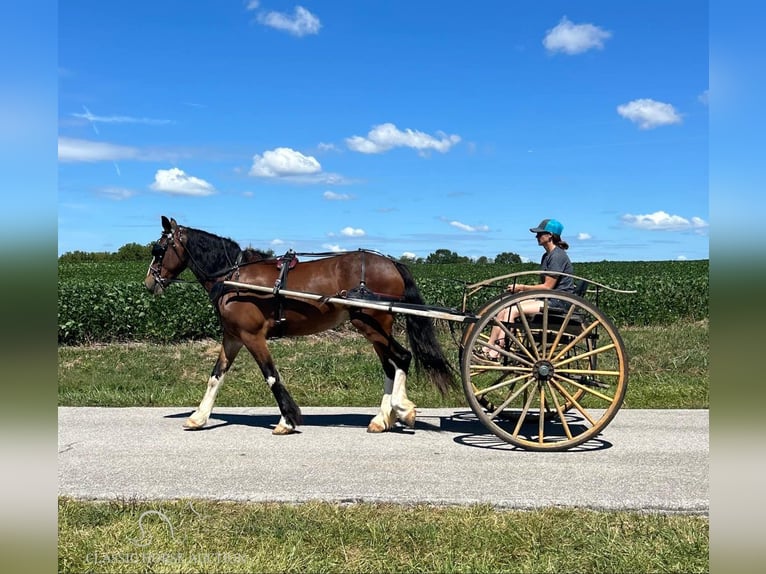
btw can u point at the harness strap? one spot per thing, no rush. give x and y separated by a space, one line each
284 263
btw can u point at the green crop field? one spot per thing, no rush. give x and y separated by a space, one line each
107 302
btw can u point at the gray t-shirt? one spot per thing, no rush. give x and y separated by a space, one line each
558 260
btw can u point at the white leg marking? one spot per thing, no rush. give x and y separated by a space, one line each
385 419
200 416
270 381
285 423
403 406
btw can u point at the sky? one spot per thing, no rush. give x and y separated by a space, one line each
400 126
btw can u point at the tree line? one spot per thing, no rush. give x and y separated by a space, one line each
138 252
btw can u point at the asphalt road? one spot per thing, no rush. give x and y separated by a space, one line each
650 460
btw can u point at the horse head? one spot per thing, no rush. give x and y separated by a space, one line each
169 257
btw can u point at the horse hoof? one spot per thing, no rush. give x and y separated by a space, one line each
283 430
191 424
408 420
375 427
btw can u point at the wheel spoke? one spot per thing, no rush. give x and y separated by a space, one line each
570 398
501 385
559 410
585 388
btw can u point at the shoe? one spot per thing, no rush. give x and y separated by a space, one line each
484 357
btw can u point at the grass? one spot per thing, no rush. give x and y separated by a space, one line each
668 369
120 536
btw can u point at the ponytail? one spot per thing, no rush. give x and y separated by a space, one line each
558 242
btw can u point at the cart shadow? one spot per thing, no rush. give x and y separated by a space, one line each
469 430
474 434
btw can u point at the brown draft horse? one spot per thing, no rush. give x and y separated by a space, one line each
249 318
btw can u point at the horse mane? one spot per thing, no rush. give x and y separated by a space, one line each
252 255
216 255
212 253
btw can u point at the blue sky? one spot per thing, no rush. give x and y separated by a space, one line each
404 127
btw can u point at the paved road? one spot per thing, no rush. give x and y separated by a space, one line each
645 460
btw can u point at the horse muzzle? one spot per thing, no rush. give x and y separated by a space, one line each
154 284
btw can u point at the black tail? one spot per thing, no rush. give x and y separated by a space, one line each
426 349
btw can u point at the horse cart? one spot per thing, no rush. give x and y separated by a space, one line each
560 376
543 382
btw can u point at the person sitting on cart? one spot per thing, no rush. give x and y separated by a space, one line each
555 258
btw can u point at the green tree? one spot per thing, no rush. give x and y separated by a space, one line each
134 252
446 256
507 258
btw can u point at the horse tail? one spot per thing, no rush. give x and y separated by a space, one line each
421 333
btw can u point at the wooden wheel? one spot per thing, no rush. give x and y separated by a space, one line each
561 374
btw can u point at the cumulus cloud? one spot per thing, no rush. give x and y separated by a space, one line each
384 137
409 255
77 150
469 228
649 114
300 23
571 38
334 247
332 196
284 162
352 232
177 182
584 236
662 221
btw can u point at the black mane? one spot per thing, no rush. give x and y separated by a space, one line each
211 255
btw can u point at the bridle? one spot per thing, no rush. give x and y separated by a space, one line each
158 254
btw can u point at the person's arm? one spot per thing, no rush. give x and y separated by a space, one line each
549 283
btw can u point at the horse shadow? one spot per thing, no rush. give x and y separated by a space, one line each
467 429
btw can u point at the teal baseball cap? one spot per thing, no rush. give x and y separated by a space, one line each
548 226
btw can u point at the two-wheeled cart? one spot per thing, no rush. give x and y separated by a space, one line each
545 382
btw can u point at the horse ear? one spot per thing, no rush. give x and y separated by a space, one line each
173 224
165 224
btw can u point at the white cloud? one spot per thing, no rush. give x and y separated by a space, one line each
76 150
384 137
584 236
284 162
177 182
662 221
277 242
332 196
681 258
335 248
301 23
469 228
323 146
649 113
116 193
574 38
252 4
352 232
409 255
119 119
